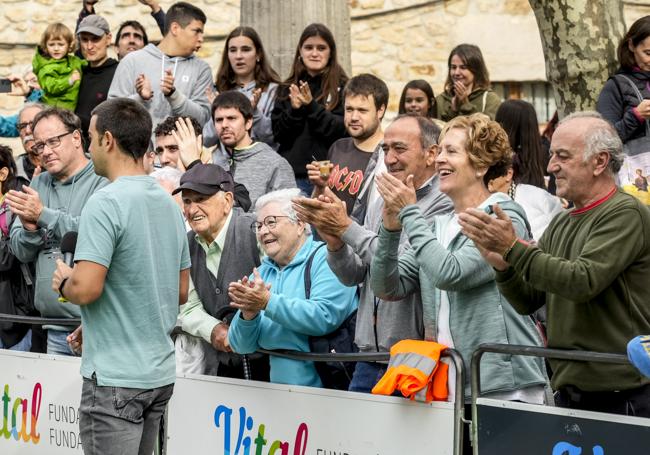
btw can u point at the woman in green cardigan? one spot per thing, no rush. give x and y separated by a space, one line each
467 89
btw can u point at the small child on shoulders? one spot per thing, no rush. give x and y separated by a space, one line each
58 70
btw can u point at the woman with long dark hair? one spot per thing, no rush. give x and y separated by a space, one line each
467 89
244 67
625 103
17 295
519 120
308 113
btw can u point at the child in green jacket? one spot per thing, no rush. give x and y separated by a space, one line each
57 68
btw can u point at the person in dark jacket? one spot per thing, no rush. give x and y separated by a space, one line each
16 291
94 36
308 113
619 102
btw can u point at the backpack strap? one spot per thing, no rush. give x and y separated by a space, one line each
307 277
485 94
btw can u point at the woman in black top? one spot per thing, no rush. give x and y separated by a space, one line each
308 113
624 99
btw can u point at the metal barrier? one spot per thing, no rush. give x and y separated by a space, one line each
459 404
36 320
531 351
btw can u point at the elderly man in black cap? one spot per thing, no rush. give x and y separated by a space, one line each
223 248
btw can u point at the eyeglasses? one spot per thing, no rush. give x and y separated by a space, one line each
270 222
52 142
23 125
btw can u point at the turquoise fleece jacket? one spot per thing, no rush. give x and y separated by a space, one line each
478 312
289 318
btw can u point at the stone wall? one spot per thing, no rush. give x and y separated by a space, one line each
398 40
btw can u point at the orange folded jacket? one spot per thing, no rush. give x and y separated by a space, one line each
416 371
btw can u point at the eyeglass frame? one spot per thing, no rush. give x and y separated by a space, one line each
41 144
23 125
256 225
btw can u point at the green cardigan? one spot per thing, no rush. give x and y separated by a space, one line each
478 312
53 77
473 105
591 268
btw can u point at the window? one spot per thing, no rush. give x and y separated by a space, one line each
538 93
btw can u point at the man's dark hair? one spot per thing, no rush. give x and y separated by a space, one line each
136 25
166 127
183 13
233 99
68 118
368 85
129 123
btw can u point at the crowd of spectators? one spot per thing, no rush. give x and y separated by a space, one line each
301 211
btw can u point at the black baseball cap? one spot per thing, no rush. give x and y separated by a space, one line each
207 179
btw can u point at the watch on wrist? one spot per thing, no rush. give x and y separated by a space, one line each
61 286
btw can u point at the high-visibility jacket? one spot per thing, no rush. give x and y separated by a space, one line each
415 370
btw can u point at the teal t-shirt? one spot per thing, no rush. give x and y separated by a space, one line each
136 230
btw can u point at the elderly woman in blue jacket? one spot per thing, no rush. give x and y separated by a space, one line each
462 306
274 312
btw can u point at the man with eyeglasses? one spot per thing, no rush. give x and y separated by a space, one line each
409 148
223 249
28 162
51 207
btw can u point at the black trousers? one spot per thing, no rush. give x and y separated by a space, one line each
632 402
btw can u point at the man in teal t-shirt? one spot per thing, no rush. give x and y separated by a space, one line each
131 273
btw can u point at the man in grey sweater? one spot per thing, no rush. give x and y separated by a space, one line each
254 164
410 146
168 79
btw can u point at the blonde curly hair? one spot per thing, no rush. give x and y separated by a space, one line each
486 143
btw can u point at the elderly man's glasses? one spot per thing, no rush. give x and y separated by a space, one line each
51 142
23 125
270 222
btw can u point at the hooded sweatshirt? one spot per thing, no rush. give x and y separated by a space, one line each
191 79
95 83
259 168
62 205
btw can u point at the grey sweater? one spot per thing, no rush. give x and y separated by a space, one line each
259 168
395 320
192 78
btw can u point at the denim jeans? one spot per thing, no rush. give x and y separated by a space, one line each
23 345
366 375
120 420
57 343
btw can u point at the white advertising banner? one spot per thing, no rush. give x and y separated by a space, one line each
206 415
230 417
40 402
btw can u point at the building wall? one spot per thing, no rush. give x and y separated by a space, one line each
398 40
